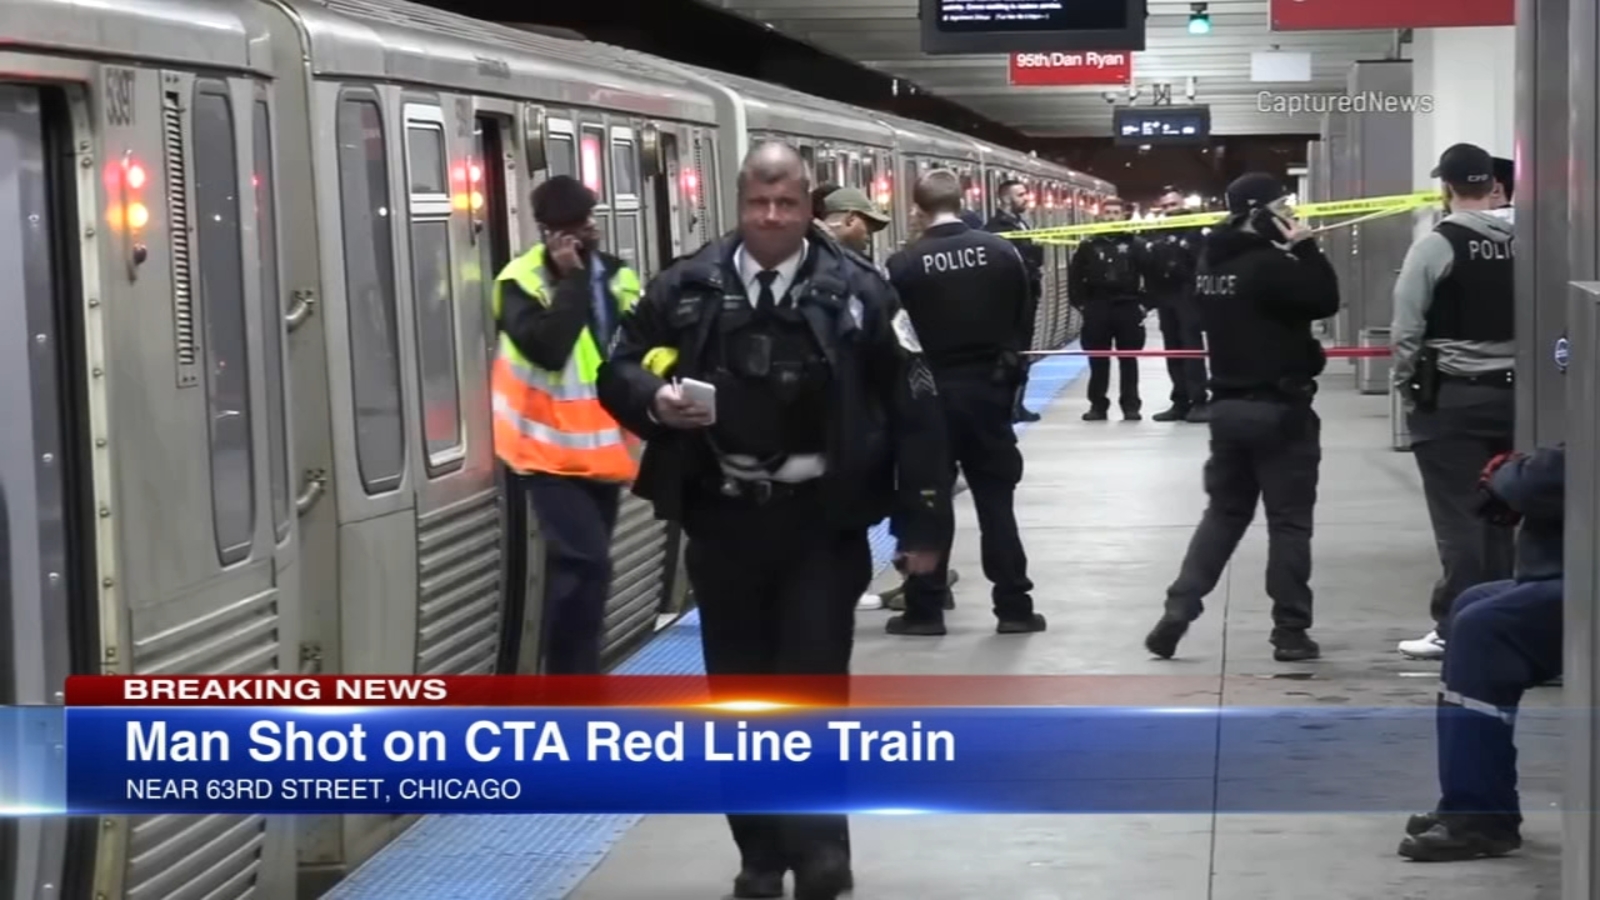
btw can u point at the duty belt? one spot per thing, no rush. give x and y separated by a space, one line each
761 492
1502 379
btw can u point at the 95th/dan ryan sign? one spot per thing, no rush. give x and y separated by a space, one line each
1064 69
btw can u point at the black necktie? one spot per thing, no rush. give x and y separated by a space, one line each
765 301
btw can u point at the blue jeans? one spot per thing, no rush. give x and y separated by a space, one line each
1505 637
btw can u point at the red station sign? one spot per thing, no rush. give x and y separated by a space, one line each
1325 15
1066 69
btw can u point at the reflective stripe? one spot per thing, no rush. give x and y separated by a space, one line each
563 385
1455 698
593 440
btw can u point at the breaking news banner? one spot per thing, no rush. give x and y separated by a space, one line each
646 745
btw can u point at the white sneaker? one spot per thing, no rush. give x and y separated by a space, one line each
1430 646
870 601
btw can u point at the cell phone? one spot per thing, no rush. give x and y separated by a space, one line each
700 394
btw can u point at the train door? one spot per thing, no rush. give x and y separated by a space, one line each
667 191
458 526
49 625
640 546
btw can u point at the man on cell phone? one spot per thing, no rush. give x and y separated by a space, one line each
555 308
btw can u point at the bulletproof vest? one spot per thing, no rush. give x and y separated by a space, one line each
1474 302
772 381
1171 258
1112 265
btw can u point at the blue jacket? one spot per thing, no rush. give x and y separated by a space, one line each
1536 486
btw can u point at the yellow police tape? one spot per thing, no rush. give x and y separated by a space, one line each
1371 207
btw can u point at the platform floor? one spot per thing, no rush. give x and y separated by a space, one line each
1107 510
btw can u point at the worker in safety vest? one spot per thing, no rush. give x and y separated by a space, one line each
556 307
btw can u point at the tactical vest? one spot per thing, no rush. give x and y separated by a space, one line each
1474 302
1171 259
772 381
1112 267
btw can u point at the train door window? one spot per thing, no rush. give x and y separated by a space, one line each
562 153
489 153
368 223
669 191
220 257
432 287
271 316
809 155
625 185
591 160
855 176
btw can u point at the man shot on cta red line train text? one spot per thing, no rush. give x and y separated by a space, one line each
555 307
970 295
1105 284
826 421
1260 284
1454 356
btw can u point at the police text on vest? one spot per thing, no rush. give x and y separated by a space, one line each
953 260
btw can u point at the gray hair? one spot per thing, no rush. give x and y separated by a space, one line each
771 162
938 191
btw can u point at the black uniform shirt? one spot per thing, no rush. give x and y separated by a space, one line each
968 294
1106 267
1257 302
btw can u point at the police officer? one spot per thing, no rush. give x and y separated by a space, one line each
1104 284
827 420
1506 637
1169 262
1008 217
969 296
1453 351
555 307
1261 282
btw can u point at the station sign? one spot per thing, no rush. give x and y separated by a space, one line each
1068 69
1328 15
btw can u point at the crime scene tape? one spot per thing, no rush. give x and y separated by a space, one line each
1330 352
1368 208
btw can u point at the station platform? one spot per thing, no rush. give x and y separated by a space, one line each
1107 510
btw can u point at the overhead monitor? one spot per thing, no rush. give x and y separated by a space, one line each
1162 124
1031 26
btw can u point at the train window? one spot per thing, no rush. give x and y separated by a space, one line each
855 172
220 258
602 223
625 168
370 293
809 156
563 156
271 317
627 246
432 284
592 161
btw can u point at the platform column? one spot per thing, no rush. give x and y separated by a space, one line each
1581 790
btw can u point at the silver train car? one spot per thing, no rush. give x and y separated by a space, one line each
251 244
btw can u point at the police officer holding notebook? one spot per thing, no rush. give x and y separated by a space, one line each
787 410
969 294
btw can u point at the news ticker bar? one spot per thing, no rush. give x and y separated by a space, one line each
1063 760
769 692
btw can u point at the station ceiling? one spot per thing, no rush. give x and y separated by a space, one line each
885 35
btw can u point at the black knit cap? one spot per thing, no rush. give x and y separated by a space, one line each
562 202
1250 192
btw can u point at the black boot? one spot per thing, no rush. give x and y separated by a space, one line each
1095 415
1200 412
1457 841
1029 625
1163 639
906 627
757 885
1175 413
825 876
1294 646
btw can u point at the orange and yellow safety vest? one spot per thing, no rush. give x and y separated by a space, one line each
552 422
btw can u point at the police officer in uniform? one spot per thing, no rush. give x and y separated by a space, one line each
969 296
1008 217
827 421
1104 284
1261 282
1453 351
1169 256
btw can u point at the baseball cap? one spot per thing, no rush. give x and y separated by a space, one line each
1464 164
853 200
1253 191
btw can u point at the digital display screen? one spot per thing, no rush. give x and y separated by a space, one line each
1166 125
1031 26
1032 15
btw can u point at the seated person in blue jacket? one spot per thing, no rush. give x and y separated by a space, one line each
1505 637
